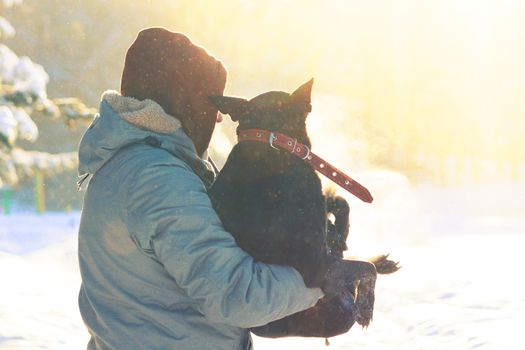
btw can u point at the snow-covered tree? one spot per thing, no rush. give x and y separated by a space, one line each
22 94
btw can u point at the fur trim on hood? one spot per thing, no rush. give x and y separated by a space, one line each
146 114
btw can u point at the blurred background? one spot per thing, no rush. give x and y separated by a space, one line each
430 89
422 101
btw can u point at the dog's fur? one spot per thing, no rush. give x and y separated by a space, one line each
272 203
270 200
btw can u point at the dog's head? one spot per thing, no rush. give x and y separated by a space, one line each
276 111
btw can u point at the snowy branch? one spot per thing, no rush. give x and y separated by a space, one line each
74 111
23 92
6 29
27 163
21 164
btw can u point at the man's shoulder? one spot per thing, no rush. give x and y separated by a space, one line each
145 155
138 163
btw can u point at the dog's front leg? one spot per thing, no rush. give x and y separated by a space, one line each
341 274
364 301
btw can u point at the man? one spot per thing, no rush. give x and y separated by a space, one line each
158 270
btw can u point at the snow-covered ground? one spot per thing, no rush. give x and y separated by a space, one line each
459 288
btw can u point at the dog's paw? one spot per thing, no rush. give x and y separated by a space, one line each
384 265
365 302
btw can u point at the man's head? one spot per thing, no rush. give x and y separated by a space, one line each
169 69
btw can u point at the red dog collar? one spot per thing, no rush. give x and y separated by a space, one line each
280 141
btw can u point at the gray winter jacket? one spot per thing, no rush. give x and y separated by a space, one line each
158 269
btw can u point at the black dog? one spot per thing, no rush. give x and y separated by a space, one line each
272 203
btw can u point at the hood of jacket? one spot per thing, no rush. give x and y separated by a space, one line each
123 121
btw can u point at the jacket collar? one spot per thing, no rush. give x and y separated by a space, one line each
123 121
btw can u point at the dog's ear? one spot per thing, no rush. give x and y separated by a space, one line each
236 107
302 96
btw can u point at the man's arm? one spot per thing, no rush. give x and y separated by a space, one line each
172 218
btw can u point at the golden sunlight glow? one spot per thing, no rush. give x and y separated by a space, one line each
435 89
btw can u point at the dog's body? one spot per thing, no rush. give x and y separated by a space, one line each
272 203
261 199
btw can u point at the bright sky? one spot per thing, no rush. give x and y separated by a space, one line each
435 79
